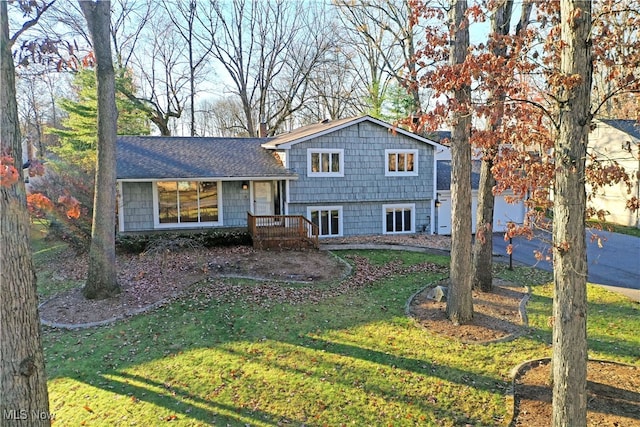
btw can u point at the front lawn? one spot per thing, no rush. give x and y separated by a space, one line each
352 359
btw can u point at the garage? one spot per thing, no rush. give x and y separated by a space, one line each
503 212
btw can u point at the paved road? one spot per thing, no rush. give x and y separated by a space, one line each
616 264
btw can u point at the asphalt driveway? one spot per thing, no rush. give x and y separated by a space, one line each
615 265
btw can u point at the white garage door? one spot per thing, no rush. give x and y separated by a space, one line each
503 212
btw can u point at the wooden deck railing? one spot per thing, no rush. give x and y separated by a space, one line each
282 231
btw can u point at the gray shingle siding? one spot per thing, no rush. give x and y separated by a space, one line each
137 204
366 218
364 168
364 188
235 204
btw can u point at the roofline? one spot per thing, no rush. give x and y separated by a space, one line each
347 123
605 122
225 179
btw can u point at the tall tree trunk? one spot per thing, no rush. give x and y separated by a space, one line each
459 298
23 384
569 246
482 274
102 281
483 244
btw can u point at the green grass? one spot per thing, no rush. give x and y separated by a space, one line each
615 228
355 359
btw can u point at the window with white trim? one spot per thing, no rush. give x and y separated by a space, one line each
328 219
185 203
398 219
325 162
401 162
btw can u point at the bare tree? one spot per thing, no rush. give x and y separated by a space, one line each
367 39
130 19
222 117
102 279
37 97
335 88
183 16
23 383
268 50
164 74
387 45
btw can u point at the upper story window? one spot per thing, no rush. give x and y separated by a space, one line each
401 162
324 162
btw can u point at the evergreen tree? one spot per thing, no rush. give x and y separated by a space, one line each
78 137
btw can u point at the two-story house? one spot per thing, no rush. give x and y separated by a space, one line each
356 176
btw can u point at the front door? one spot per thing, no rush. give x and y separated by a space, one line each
263 198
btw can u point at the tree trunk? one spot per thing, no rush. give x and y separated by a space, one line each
483 244
569 246
482 275
459 298
23 384
101 281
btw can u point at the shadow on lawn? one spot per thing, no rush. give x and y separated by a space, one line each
602 313
178 400
317 358
136 341
213 325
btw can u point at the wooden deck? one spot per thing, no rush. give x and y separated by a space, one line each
282 232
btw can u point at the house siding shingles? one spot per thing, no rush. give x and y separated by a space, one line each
619 140
235 204
364 189
137 204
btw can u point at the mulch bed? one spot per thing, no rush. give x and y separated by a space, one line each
496 314
613 395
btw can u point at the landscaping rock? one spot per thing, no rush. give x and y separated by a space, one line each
439 293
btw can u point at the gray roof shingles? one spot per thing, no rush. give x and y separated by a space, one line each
444 175
159 157
631 127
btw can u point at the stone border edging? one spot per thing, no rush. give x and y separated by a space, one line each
383 246
523 367
521 309
160 303
515 374
78 326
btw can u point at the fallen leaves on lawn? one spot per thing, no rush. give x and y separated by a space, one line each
153 278
267 293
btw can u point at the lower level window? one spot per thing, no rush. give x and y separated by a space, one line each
181 202
398 218
327 219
